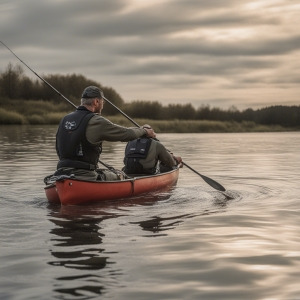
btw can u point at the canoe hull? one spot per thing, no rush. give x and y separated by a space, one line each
74 191
51 193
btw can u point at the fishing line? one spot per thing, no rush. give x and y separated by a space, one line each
40 76
208 180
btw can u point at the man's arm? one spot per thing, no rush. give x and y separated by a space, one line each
100 129
165 156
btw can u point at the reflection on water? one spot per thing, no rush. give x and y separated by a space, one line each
157 224
79 227
189 243
77 240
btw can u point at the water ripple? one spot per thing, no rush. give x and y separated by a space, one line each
190 243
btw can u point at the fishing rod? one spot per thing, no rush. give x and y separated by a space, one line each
50 87
208 180
40 77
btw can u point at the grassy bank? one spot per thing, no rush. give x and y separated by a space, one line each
198 126
48 113
31 112
174 126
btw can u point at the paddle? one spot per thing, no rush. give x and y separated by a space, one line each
208 180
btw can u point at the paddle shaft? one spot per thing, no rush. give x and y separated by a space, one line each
208 180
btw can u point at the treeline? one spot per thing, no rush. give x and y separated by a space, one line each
15 85
287 116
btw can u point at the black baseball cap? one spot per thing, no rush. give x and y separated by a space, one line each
92 92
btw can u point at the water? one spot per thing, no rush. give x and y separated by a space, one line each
190 243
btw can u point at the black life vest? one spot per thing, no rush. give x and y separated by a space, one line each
134 151
72 146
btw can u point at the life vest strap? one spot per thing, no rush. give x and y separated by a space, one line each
67 163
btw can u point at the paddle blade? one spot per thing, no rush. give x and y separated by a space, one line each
208 180
213 183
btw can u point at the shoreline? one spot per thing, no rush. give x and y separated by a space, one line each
32 112
43 114
181 126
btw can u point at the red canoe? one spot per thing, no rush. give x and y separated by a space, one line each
74 191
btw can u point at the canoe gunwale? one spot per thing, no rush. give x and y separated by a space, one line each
120 181
66 191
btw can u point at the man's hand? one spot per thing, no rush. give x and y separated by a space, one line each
178 160
147 126
149 131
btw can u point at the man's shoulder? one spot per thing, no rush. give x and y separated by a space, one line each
156 142
158 145
98 119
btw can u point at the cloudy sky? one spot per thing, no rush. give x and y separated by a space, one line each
217 52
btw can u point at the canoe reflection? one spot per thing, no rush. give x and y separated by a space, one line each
77 246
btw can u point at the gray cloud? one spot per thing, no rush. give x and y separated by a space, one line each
223 52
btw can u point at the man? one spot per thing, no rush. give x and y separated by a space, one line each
148 156
80 135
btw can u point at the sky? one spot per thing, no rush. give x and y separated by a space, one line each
220 53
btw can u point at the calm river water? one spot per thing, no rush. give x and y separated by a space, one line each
190 243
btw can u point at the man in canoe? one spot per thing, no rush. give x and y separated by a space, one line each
148 156
80 135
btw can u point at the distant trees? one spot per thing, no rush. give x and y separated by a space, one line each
156 111
144 109
287 116
282 115
10 81
180 111
15 85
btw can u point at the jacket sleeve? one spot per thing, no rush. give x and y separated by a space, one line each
100 129
164 156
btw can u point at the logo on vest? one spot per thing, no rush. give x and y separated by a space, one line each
70 125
